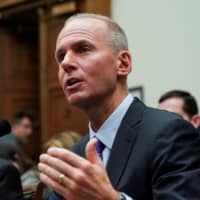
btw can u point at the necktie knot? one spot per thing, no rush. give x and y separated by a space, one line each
100 147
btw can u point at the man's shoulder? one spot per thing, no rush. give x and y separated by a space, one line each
161 115
145 113
161 119
153 121
10 139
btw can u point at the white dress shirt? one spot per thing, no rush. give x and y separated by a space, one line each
107 132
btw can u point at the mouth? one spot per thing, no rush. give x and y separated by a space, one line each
72 83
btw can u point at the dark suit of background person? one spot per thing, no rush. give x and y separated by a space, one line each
10 185
5 127
198 129
11 139
154 156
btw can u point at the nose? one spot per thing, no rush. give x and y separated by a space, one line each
68 64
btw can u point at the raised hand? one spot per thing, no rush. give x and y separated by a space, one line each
74 177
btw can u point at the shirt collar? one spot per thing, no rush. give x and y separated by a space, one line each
108 130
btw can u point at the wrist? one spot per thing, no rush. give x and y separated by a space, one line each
121 196
114 196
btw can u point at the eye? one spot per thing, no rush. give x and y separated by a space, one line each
60 56
83 49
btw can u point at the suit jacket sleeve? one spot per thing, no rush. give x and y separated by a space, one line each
176 163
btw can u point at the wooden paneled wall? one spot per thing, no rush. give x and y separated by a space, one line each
19 74
28 72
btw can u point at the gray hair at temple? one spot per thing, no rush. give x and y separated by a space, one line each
115 34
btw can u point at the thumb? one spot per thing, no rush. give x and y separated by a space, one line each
91 152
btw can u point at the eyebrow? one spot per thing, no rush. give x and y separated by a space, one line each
74 45
80 43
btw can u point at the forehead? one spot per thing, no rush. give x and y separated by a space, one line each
87 27
175 104
172 104
26 120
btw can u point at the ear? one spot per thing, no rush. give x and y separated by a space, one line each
124 63
196 121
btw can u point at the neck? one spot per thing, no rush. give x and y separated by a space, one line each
101 110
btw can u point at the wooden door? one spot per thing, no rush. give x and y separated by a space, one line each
19 72
28 72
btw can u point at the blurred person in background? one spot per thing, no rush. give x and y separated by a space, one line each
21 129
29 175
182 103
65 140
12 150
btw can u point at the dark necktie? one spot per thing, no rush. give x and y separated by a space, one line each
100 147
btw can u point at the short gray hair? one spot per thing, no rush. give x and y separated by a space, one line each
116 35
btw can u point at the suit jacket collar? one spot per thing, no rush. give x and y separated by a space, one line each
124 141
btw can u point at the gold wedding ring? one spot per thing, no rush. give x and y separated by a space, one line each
61 179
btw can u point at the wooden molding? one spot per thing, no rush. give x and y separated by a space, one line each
95 6
6 3
42 15
62 9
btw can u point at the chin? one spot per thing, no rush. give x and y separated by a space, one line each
79 101
74 99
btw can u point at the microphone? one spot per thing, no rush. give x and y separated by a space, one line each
5 127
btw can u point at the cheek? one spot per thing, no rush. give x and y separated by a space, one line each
107 71
20 129
103 67
61 75
105 77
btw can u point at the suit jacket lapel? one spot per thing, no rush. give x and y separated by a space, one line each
124 141
80 147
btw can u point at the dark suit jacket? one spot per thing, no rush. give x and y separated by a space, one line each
10 184
155 155
198 129
12 140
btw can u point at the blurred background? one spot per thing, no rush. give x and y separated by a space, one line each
163 38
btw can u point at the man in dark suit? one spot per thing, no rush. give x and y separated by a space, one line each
132 152
10 184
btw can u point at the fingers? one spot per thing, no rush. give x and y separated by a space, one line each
75 160
52 172
68 183
91 152
67 156
51 178
57 164
72 176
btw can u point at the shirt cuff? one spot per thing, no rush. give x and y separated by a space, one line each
127 197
